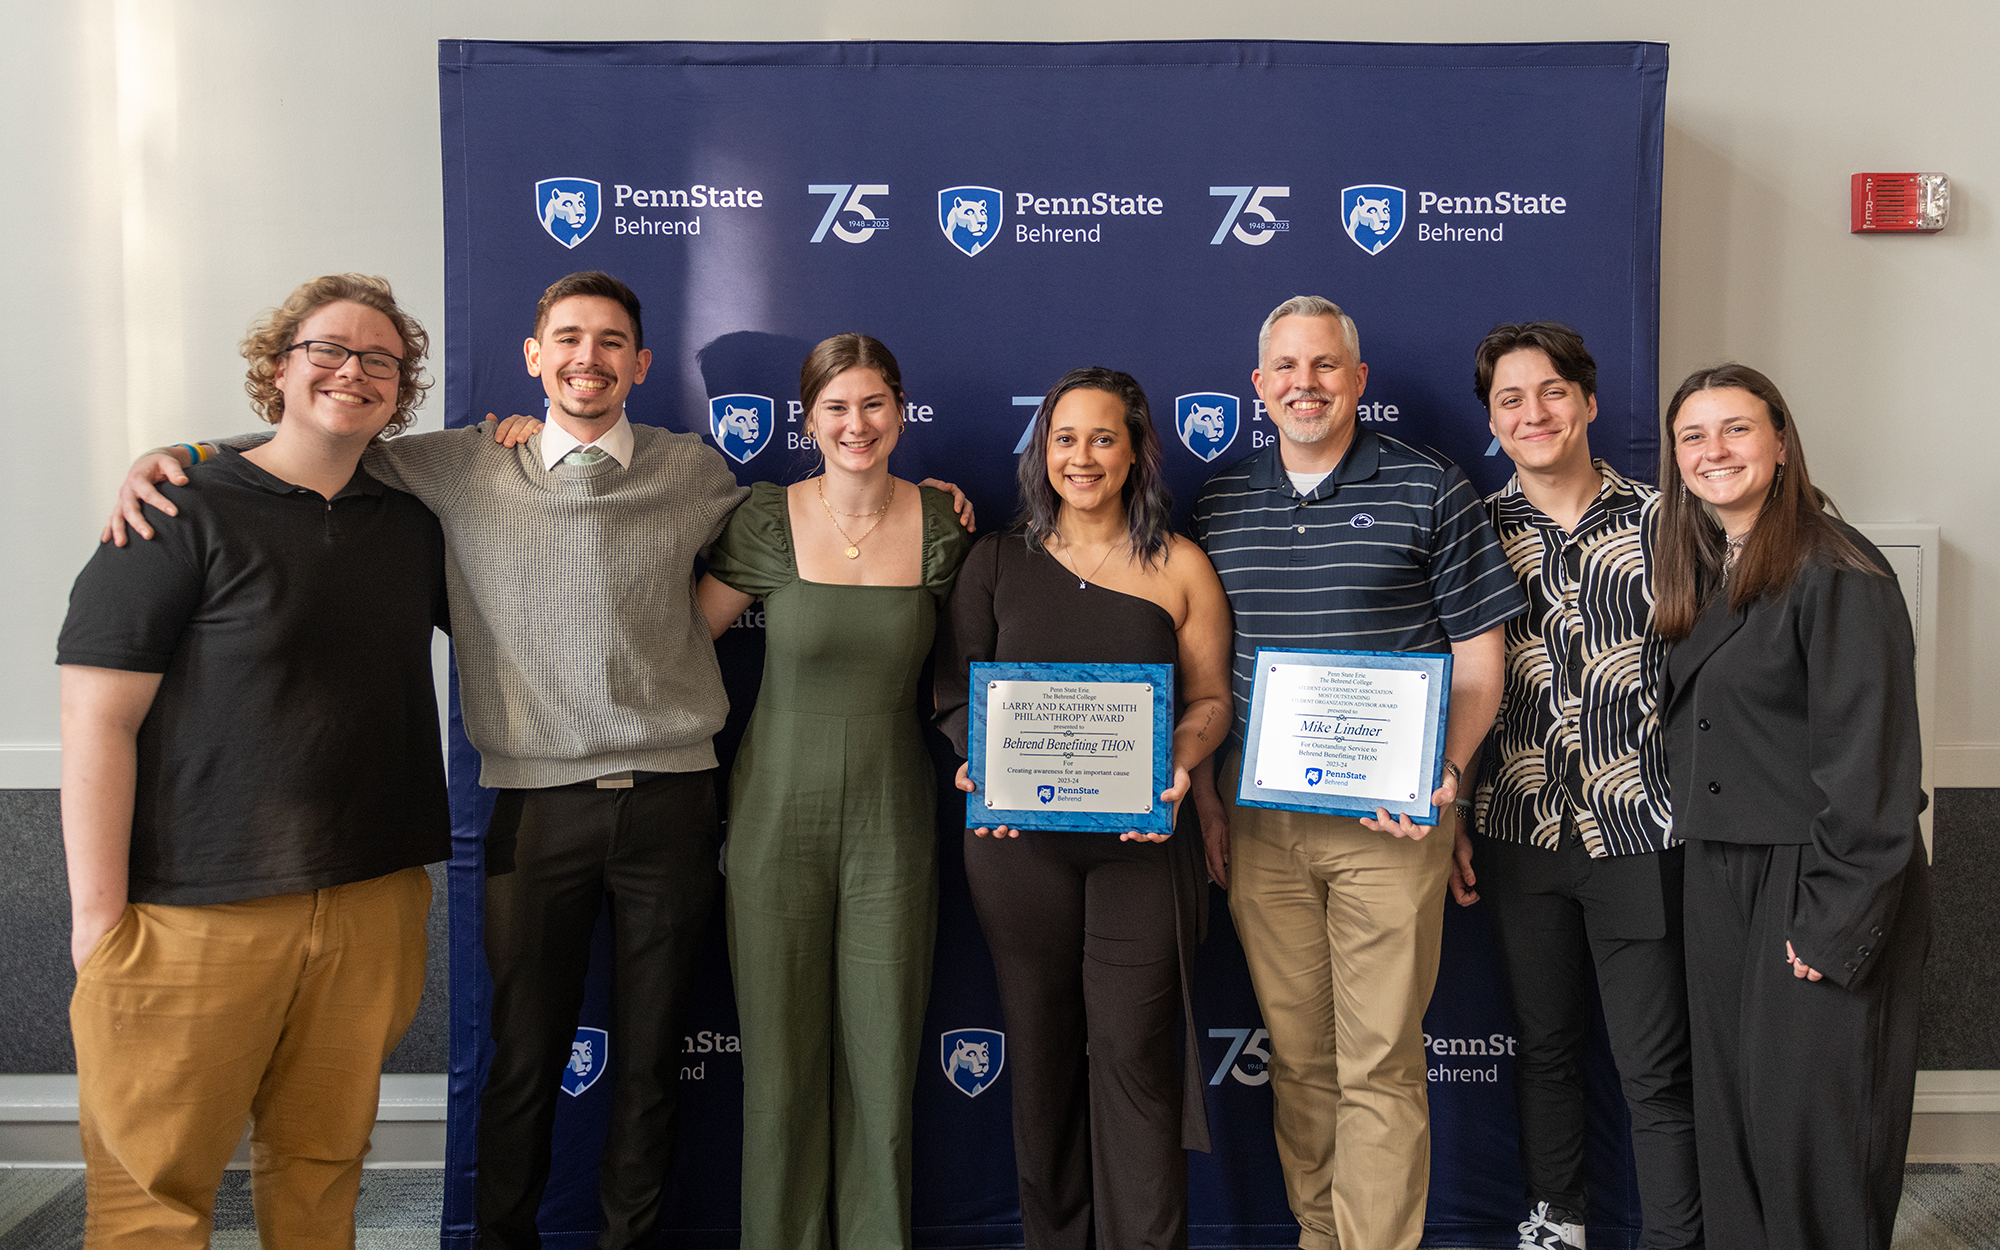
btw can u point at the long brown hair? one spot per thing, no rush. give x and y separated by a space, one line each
1149 505
1791 527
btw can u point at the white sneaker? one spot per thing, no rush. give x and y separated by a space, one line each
1539 1232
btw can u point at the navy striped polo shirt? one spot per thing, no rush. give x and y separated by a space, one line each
1393 551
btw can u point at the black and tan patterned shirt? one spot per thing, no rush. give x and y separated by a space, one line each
1578 729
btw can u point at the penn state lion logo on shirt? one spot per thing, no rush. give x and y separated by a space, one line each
568 208
1372 214
588 1055
973 1058
970 217
1207 422
741 424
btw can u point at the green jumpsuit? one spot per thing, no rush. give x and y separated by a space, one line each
832 884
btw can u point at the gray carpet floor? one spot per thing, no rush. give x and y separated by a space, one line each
1946 1206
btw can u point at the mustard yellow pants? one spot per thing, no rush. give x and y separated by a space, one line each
1341 928
190 1021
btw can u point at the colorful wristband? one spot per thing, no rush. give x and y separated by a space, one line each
194 451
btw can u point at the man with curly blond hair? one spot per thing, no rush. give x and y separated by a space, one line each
252 783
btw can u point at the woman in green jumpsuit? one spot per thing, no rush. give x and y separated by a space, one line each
831 861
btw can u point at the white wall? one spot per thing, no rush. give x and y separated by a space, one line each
177 165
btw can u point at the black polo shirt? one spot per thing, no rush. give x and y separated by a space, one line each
293 744
1391 552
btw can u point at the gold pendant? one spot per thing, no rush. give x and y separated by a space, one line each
854 553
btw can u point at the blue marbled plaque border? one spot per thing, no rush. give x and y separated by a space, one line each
1437 664
1159 820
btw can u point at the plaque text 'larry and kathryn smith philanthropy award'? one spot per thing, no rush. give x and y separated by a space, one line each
1071 746
1347 732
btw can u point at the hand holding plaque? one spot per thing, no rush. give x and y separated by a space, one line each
1347 732
1080 747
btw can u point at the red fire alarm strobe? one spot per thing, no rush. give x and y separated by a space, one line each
1900 203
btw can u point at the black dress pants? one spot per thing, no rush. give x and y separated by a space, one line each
1081 926
554 858
1803 1089
1556 913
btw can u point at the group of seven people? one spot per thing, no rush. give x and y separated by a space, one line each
252 784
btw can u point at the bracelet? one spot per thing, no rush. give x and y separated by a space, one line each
196 452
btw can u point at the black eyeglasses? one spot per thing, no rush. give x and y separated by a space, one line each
333 355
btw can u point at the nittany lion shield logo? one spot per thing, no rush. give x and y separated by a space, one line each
567 208
742 424
973 1058
1373 215
588 1056
970 217
1207 422
1312 776
1046 794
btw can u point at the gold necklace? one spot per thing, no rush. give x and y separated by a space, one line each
854 544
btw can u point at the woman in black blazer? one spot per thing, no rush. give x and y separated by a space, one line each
1791 717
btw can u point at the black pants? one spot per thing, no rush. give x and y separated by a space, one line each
1081 927
1803 1089
554 857
1557 912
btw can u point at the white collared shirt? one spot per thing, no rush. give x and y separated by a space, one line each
615 442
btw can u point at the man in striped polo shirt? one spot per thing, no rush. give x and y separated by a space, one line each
1338 538
1577 860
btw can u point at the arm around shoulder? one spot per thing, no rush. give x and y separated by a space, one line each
436 466
968 631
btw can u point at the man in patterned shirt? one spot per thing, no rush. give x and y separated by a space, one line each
1577 861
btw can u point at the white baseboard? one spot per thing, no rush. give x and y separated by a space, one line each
1968 1092
1968 765
30 767
38 1124
52 1099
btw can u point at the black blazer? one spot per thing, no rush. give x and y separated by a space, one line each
1794 721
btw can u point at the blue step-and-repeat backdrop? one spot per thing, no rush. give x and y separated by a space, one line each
998 214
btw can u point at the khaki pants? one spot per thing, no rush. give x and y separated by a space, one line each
1340 927
279 1011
